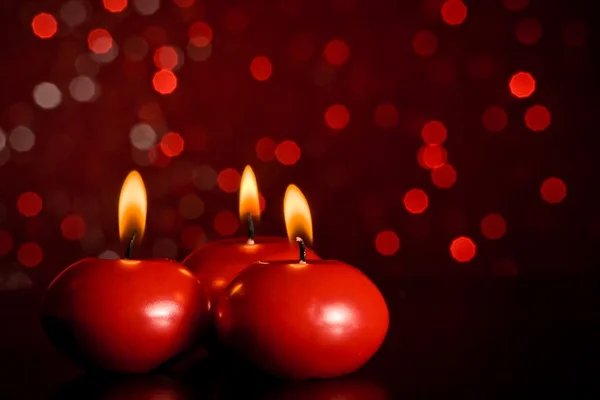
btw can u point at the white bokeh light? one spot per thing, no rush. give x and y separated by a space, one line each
47 95
83 89
107 57
73 13
21 139
146 7
142 136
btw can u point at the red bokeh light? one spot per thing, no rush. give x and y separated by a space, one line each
164 81
226 223
515 5
184 3
73 227
229 180
29 204
387 243
261 68
44 25
172 144
166 57
386 116
494 119
287 152
528 31
200 34
463 249
454 12
6 243
193 237
537 118
100 41
416 201
493 226
432 156
115 6
522 84
336 52
337 117
444 177
30 254
425 43
553 190
265 149
434 132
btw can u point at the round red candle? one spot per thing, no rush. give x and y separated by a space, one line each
125 315
218 262
302 319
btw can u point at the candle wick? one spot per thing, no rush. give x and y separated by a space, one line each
302 247
130 246
250 225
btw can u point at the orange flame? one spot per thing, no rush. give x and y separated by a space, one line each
249 202
133 206
298 221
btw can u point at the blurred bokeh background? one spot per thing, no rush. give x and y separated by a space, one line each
431 137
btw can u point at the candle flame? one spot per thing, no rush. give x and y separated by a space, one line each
298 221
249 202
133 206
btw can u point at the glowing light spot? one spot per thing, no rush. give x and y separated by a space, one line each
6 243
236 19
336 52
191 207
287 152
172 144
434 132
463 249
416 201
200 34
444 177
432 156
528 31
494 119
29 204
115 6
193 237
73 227
73 13
229 180
21 139
574 33
100 41
142 136
387 243
386 116
166 57
522 85
30 254
44 25
515 5
265 149
226 223
537 118
164 82
47 95
83 89
261 68
184 3
337 117
553 190
493 226
454 12
425 43
146 7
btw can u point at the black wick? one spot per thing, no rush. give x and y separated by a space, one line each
302 247
250 223
130 246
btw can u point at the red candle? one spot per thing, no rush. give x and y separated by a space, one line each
218 262
302 319
125 315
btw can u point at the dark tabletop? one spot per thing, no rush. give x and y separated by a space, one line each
479 337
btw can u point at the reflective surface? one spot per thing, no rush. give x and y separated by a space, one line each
121 315
298 321
217 263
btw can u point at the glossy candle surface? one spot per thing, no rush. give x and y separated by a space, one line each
217 263
298 321
124 315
